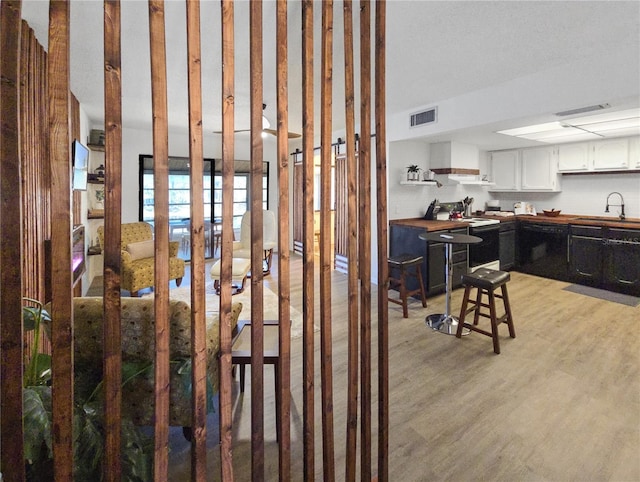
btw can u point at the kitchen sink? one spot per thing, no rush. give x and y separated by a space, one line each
608 220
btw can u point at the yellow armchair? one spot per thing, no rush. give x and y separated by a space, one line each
137 251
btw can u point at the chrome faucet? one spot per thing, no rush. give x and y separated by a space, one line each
606 209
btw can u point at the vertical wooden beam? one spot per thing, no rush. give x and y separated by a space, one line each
198 309
365 236
308 293
257 342
383 267
326 369
284 288
352 246
11 331
112 223
62 308
226 250
161 227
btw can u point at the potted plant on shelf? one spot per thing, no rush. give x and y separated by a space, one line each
413 172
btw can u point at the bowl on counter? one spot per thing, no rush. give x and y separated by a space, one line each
551 213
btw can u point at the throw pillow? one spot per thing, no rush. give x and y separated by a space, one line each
141 249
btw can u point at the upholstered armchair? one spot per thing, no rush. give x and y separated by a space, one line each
242 248
138 346
138 256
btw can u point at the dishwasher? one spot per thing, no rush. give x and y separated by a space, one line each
544 250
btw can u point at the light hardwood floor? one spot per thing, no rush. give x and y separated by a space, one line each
560 403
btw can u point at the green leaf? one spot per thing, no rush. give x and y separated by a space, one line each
37 422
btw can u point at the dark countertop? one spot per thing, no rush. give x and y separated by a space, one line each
578 219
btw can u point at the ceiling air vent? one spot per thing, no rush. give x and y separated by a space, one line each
424 117
582 110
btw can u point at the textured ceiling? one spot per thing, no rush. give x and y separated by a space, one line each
435 51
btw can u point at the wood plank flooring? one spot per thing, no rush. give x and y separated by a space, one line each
560 403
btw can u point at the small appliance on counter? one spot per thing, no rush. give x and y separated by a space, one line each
467 202
493 205
522 207
432 210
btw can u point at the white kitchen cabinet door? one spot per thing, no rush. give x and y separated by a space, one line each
539 169
505 170
611 154
634 153
573 157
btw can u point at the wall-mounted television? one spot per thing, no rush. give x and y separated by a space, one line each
80 157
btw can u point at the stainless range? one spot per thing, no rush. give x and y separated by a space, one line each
485 254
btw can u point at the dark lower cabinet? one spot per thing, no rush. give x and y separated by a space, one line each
404 239
607 258
621 266
586 249
436 265
507 245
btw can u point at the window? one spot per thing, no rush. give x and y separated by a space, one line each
180 194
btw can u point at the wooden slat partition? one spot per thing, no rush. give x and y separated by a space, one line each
34 138
352 244
62 308
35 173
308 307
359 254
326 350
226 250
284 288
364 193
112 365
198 308
10 245
257 338
382 220
161 228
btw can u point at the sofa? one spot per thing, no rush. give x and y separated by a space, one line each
138 257
138 348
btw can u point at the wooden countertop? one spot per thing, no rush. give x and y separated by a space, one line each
578 219
583 220
428 225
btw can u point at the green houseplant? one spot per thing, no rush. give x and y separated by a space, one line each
413 172
88 421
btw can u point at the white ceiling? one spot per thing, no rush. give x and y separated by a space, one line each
436 51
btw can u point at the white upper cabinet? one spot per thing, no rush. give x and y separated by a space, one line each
611 154
574 157
634 153
505 170
539 169
525 170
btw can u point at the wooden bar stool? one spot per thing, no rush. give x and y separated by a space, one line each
408 266
486 281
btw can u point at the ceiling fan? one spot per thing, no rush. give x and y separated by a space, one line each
266 128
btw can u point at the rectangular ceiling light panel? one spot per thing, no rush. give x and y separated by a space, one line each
611 124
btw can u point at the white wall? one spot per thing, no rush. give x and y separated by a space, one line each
584 194
412 201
